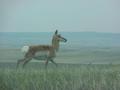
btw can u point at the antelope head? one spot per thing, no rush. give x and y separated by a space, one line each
57 38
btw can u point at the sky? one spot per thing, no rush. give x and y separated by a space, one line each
64 15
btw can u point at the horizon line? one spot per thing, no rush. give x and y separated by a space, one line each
59 31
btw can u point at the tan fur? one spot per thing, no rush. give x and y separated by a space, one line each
51 49
39 48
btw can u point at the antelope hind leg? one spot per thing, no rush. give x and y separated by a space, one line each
26 61
20 61
46 63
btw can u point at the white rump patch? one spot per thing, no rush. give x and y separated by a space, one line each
25 48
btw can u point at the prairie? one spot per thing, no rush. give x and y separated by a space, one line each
64 77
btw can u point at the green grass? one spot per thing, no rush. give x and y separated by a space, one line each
64 77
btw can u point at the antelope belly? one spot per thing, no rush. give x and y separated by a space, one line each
41 54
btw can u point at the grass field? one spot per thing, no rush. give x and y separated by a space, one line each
64 77
80 69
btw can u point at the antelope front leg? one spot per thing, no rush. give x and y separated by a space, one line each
53 62
47 60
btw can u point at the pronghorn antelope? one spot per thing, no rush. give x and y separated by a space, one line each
51 49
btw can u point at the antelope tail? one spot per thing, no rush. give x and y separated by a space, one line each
25 49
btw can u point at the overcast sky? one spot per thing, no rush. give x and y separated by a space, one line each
64 15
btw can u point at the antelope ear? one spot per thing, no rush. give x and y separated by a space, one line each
56 32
